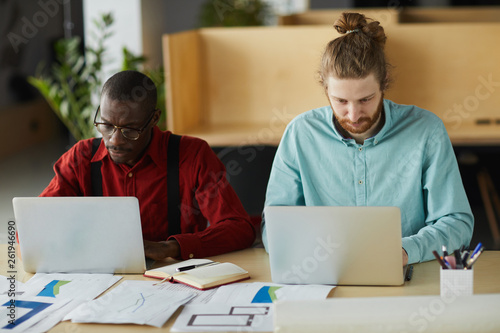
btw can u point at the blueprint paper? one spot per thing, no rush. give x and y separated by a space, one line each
217 317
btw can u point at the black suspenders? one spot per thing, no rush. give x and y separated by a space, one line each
95 170
174 201
174 205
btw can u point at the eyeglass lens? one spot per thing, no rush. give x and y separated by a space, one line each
108 130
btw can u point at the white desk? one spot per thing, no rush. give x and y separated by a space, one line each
425 281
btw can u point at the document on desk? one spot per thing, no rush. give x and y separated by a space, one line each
47 298
260 292
244 307
74 286
201 296
10 285
31 314
217 317
132 302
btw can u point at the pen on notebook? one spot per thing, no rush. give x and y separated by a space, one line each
440 261
187 268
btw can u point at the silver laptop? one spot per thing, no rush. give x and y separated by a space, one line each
335 245
80 234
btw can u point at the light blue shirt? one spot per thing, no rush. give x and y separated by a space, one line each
410 164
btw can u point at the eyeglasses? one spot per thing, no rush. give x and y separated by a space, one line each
130 133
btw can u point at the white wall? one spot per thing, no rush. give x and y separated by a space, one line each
287 7
127 29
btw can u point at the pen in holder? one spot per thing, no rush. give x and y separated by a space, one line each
456 282
457 273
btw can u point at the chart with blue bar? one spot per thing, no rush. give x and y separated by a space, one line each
266 294
52 288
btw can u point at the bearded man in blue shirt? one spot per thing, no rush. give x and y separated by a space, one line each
364 150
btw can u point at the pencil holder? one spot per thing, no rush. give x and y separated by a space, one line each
456 282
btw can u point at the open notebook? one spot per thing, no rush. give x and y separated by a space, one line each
200 273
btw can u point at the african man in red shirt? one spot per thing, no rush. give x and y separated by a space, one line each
132 157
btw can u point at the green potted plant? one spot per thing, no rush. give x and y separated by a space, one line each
233 13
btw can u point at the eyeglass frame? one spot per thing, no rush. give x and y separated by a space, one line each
139 130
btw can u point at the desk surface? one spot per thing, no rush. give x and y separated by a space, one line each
425 281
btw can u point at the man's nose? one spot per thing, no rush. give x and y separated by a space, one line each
117 138
353 113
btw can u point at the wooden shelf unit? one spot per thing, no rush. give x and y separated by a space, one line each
241 86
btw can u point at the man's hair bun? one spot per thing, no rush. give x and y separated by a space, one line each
357 23
358 52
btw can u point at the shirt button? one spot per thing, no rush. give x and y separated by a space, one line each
130 174
376 141
191 256
360 148
360 182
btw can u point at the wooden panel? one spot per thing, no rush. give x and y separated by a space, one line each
448 15
393 15
386 15
253 81
182 80
451 70
253 73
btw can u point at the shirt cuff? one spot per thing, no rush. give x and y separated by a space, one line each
412 249
190 246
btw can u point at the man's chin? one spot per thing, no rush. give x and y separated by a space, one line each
355 129
118 158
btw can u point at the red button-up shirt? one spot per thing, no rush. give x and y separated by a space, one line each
205 194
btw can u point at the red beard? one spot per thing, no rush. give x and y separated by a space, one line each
363 123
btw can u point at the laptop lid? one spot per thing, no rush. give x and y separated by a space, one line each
80 234
335 245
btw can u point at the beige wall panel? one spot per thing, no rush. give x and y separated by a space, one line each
182 80
386 16
253 81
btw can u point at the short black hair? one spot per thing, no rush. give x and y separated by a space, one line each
132 86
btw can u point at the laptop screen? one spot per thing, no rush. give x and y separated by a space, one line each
80 234
335 245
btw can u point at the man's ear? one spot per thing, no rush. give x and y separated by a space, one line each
385 83
156 117
325 89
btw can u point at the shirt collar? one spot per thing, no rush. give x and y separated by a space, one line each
101 152
387 125
155 150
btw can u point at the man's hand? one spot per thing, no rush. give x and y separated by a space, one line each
162 250
405 258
